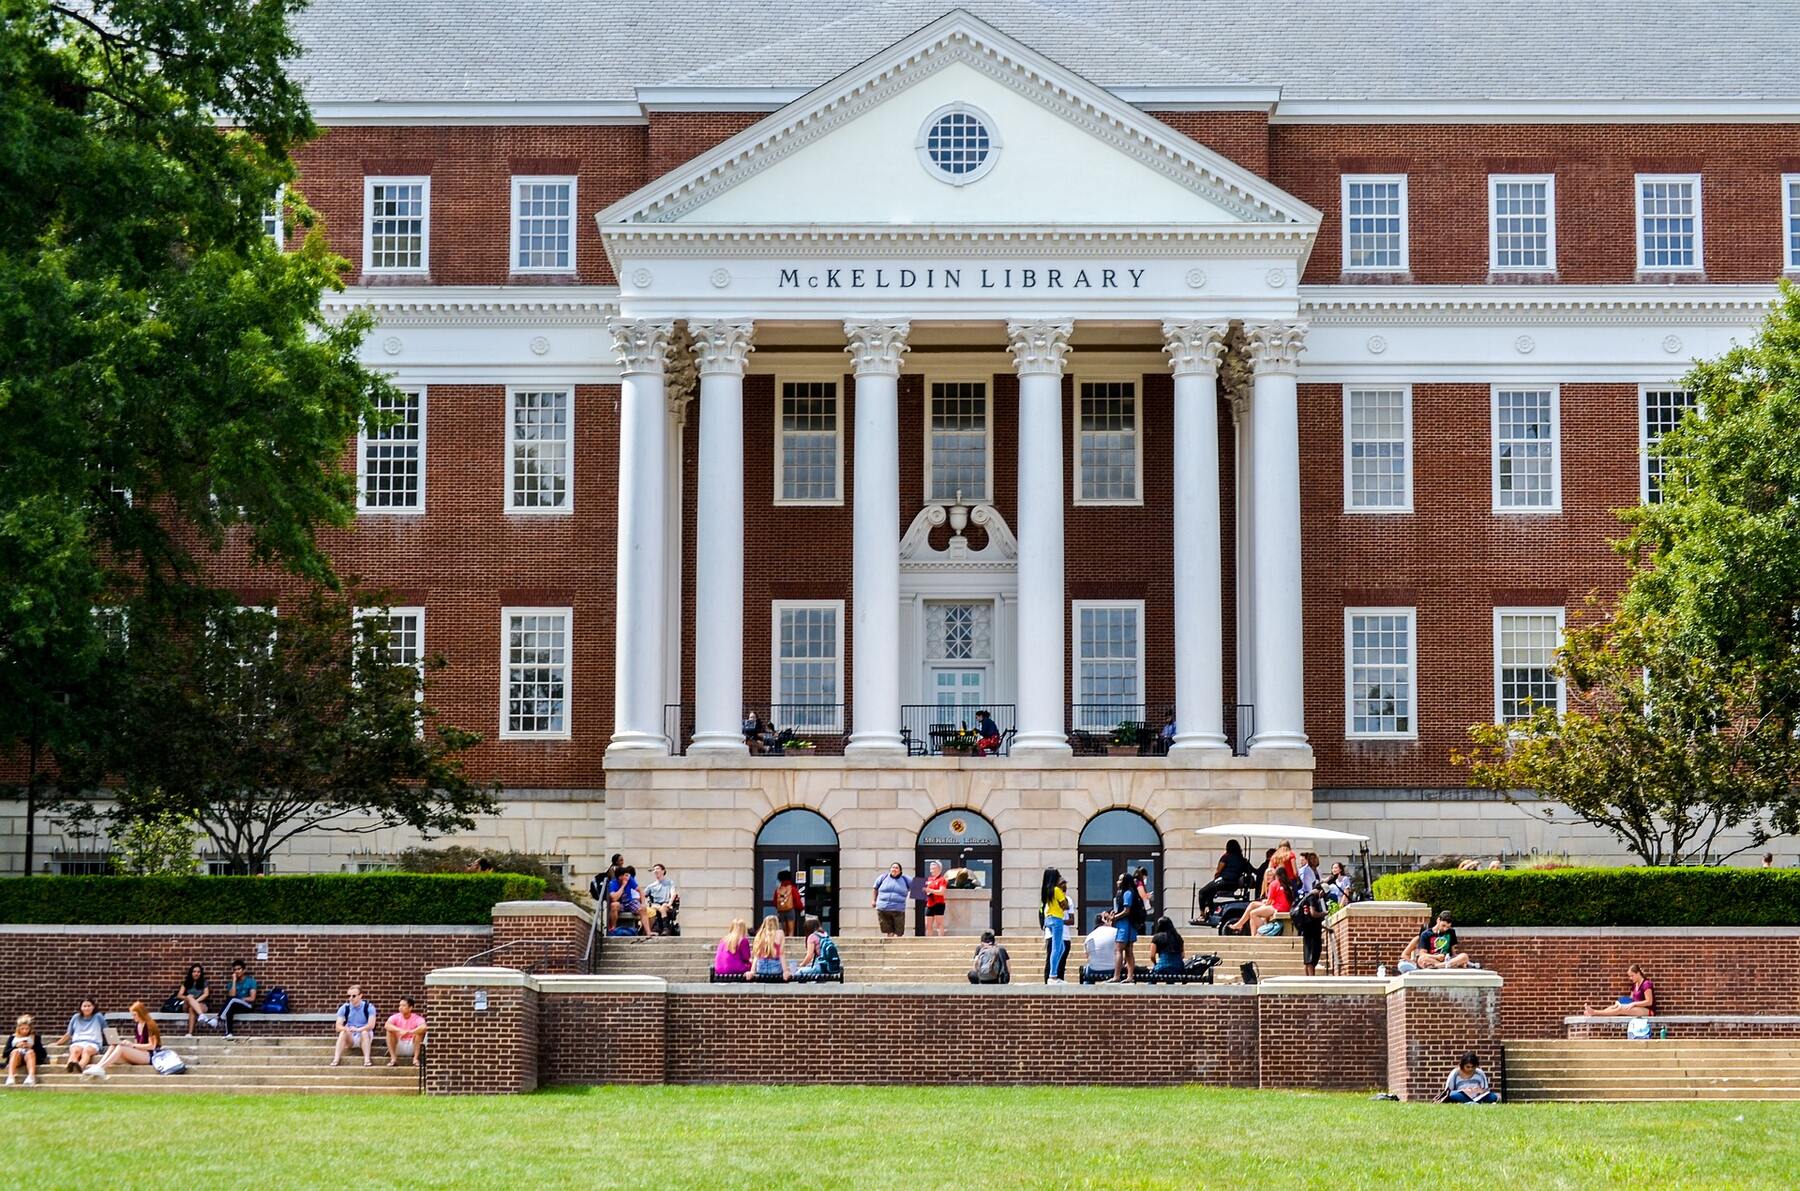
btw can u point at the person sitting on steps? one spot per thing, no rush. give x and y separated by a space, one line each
992 965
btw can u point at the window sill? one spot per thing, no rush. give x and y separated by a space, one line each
544 277
1671 277
395 277
1376 277
1524 277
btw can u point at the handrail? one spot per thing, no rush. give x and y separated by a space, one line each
545 946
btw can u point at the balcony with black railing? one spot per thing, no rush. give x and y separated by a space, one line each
772 729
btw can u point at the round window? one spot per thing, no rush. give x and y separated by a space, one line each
957 144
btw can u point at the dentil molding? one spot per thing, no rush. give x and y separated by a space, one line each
1476 305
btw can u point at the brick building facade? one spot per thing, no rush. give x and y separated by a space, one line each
1325 497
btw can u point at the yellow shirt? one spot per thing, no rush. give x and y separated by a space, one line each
1057 906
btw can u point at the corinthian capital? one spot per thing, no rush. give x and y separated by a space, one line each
1276 347
642 345
1038 348
876 348
722 348
1194 348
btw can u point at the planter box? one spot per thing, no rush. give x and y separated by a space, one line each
1121 750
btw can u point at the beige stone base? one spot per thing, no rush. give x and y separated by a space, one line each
699 816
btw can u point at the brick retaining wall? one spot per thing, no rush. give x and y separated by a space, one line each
1307 1039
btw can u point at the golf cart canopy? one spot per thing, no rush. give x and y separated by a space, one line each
1279 831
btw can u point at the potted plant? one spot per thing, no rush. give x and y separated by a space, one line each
1125 739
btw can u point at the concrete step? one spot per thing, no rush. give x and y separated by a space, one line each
179 1084
1653 1069
1775 1079
1581 1093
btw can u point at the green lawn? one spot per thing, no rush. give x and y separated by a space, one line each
882 1138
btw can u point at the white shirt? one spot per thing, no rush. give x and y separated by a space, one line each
1102 948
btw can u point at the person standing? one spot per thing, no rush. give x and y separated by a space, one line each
888 899
790 902
1054 898
1128 918
935 918
1308 917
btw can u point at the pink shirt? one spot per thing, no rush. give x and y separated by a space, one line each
406 1022
729 962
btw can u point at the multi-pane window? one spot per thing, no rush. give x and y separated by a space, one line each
401 635
1106 442
1525 641
390 458
113 623
1521 223
1662 412
957 459
1525 450
1375 224
1109 663
396 225
274 219
535 672
809 652
1790 211
537 450
1668 209
1377 450
1378 657
809 462
543 225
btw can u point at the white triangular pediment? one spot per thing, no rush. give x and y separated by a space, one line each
1064 152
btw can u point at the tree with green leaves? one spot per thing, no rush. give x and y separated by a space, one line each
1685 697
165 370
257 729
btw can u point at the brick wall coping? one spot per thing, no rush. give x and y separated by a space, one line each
553 985
1327 986
1629 932
1461 978
546 909
1293 759
232 928
853 989
1378 910
1691 1019
480 978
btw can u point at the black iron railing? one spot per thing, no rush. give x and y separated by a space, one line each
938 729
786 729
1097 729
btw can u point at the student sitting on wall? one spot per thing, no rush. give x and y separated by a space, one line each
1641 1002
1435 948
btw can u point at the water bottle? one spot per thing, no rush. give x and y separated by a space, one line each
1381 972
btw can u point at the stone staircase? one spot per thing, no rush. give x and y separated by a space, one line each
1654 1069
247 1065
914 960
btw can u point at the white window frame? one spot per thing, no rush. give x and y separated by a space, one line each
1644 391
567 507
1136 381
1637 185
1501 613
512 243
1406 412
1790 223
776 608
276 218
836 381
386 612
987 388
1076 608
1412 673
1549 184
362 464
1555 390
568 670
1344 182
370 181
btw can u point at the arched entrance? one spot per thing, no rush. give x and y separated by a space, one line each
1112 842
805 843
961 839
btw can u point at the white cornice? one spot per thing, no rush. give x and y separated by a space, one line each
1285 240
491 306
1536 111
1482 305
543 111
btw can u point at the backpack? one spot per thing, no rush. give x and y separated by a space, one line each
784 898
829 961
166 1061
275 1002
988 964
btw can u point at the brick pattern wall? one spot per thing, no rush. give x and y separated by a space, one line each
1328 1043
883 1038
1552 976
47 973
552 943
1429 1028
1362 944
481 1052
598 1038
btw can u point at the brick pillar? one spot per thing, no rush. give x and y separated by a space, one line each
540 936
1365 935
1322 1032
1432 1017
483 1027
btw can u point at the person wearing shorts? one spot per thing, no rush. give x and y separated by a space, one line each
888 899
790 903
935 884
1127 912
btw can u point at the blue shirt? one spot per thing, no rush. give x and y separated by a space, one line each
245 988
891 892
356 1016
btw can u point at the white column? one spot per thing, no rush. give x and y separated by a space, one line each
875 351
1038 350
1199 564
721 350
1280 720
640 615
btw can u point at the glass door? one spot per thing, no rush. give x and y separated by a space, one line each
959 692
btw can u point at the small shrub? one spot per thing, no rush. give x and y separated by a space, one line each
458 859
308 899
1649 896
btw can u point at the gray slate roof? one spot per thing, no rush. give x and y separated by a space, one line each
493 50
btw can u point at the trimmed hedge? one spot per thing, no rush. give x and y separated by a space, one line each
306 899
1650 896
